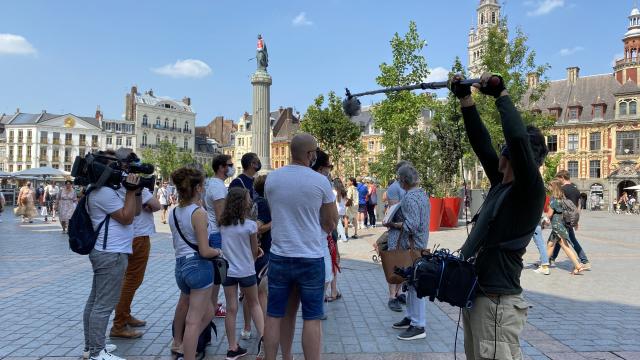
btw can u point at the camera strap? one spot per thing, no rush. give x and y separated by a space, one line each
176 223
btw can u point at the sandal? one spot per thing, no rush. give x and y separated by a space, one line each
333 298
578 270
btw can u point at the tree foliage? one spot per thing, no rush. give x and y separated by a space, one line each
336 134
551 163
167 158
398 113
514 60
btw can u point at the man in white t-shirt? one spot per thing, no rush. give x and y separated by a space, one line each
109 257
216 192
164 198
302 210
50 195
143 228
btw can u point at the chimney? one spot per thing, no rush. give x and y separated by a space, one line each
150 92
533 79
17 110
186 100
98 113
134 90
280 110
573 73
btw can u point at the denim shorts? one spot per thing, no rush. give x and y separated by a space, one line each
244 282
193 272
285 274
215 241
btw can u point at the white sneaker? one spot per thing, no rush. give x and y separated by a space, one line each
109 347
105 355
245 335
542 270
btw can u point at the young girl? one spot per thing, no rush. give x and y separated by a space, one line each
240 245
559 230
194 273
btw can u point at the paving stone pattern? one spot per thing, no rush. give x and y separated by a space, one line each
43 287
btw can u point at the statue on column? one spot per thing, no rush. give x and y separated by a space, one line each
262 56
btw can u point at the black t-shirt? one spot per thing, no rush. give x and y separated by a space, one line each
245 182
264 216
571 192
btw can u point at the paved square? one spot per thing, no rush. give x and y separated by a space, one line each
43 287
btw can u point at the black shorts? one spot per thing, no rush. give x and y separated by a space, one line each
244 282
362 208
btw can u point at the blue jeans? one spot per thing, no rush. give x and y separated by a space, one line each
415 310
286 273
541 245
576 246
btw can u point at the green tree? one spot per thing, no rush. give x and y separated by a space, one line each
398 113
551 163
336 134
514 60
167 158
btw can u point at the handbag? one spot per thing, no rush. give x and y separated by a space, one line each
219 263
393 259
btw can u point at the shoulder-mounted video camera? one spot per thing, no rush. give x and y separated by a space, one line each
101 169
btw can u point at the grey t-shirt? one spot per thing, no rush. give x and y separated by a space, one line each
395 192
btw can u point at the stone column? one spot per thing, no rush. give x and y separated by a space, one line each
261 124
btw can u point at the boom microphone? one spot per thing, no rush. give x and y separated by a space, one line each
351 104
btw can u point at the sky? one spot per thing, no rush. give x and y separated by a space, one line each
73 55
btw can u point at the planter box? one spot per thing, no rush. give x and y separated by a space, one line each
435 217
451 209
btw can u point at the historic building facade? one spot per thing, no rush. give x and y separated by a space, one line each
597 130
159 118
45 139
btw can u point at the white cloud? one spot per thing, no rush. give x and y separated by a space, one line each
616 57
570 51
543 7
11 44
301 20
438 74
184 69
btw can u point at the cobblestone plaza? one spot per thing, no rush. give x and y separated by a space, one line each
43 287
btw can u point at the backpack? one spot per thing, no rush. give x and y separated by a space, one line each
203 340
570 213
82 236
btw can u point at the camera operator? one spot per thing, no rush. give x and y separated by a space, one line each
108 261
505 224
143 227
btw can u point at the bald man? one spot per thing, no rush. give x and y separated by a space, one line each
302 207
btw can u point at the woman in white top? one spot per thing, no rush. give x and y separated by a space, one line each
194 273
240 245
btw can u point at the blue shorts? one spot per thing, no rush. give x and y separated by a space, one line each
244 282
193 273
285 274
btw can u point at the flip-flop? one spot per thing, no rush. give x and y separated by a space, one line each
334 298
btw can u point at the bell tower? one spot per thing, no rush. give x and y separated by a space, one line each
488 15
627 68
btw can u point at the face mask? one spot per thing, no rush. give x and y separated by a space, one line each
230 171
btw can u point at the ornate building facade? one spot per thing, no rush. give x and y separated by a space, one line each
597 130
159 118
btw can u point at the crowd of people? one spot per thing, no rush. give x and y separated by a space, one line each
275 251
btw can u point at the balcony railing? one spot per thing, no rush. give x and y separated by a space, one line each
11 140
56 141
29 140
68 142
20 139
44 141
94 144
28 158
82 143
186 131
55 159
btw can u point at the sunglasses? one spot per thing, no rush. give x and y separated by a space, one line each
230 165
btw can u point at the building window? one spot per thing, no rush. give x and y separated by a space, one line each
56 155
594 141
241 128
174 141
158 139
11 153
19 152
493 17
186 143
43 164
144 139
552 143
109 141
555 113
43 154
20 138
129 141
11 136
371 145
594 169
119 141
67 154
186 126
598 112
574 113
28 153
19 167
94 140
175 124
145 120
10 168
481 19
56 138
67 168
572 168
158 121
43 137
627 142
166 123
29 136
623 109
632 107
67 139
572 142
55 166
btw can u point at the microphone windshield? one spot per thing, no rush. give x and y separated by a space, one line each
351 106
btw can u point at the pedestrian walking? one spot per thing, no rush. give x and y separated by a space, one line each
352 208
66 202
372 201
26 203
560 234
165 200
